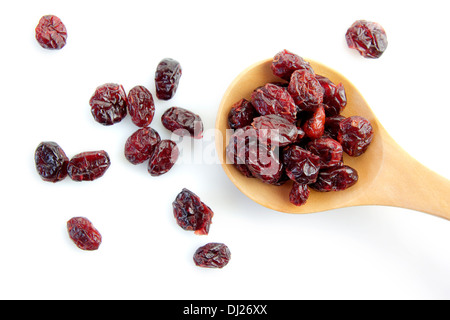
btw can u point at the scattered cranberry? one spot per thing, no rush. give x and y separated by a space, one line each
51 161
299 194
285 63
212 255
355 135
83 234
51 32
369 38
241 114
88 166
141 144
191 213
334 97
273 99
335 179
183 122
302 166
109 104
141 106
163 158
328 150
306 90
167 77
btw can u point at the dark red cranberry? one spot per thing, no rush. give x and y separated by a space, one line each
355 135
314 127
51 32
285 63
301 165
88 166
51 161
212 255
83 234
369 38
335 179
334 97
109 104
141 106
306 90
273 99
328 149
332 125
299 194
163 158
241 114
274 130
167 77
141 144
183 122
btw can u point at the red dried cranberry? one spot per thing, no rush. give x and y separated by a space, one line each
299 194
183 122
355 135
306 90
332 125
88 166
83 233
141 144
335 179
369 38
329 151
167 77
274 130
241 114
212 255
314 127
51 161
163 158
301 165
334 97
191 213
273 99
141 106
285 63
109 104
51 32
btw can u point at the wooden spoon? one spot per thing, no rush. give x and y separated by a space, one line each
387 174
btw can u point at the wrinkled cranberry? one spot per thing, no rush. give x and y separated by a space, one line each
335 179
274 130
191 213
299 194
332 125
88 166
212 255
285 63
83 234
355 135
183 122
306 90
334 97
51 161
109 104
51 32
241 114
167 77
369 38
141 106
141 144
314 127
163 158
329 151
301 165
273 99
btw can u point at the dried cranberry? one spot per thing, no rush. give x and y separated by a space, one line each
314 127
183 122
332 125
83 233
241 114
369 38
51 161
88 166
329 151
334 97
274 130
355 135
212 255
191 213
141 106
335 179
51 32
306 90
301 165
299 194
141 144
273 99
163 158
285 63
109 104
167 77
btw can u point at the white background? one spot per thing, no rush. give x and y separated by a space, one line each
354 253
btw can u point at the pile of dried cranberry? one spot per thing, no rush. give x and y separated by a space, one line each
294 130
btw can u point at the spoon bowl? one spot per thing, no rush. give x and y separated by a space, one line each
387 174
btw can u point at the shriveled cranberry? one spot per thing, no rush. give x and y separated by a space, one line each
328 149
314 127
51 32
167 77
84 234
332 125
355 135
51 161
88 166
212 255
141 106
335 179
299 194
285 63
273 99
191 213
334 97
301 165
241 114
109 104
274 130
306 90
163 158
369 38
141 144
183 122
